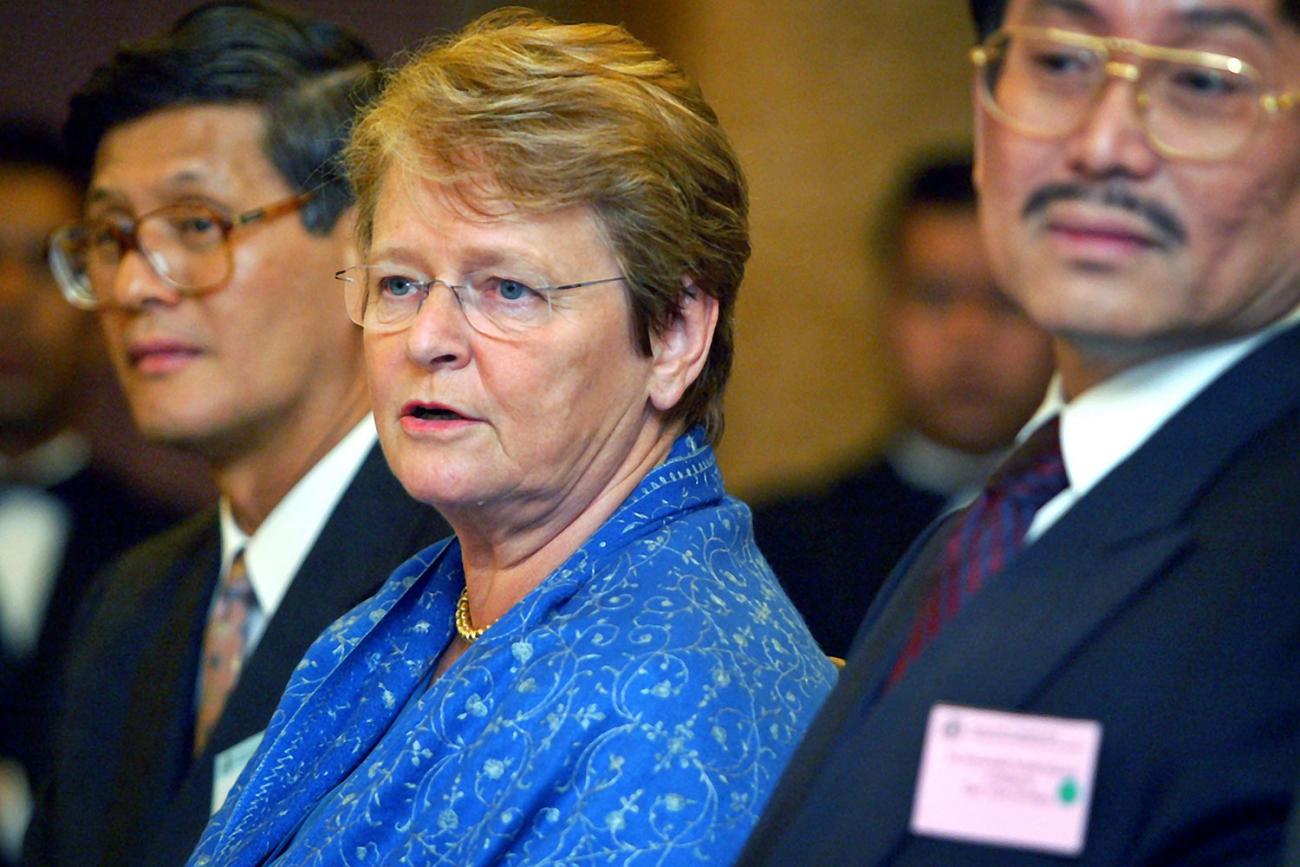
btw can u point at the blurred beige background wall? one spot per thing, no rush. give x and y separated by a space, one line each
825 101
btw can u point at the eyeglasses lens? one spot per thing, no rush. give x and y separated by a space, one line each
1048 87
185 244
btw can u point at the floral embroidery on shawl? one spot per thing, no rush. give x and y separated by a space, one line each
636 708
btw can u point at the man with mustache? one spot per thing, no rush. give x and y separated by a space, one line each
1099 661
215 220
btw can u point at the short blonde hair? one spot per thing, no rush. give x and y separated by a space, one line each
577 115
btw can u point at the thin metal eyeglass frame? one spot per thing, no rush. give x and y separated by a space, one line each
426 286
1274 103
128 241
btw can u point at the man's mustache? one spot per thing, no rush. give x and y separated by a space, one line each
1115 195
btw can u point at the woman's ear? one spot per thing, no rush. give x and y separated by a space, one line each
680 351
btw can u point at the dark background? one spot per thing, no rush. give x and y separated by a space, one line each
50 47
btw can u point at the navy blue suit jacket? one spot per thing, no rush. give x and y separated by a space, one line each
125 787
1165 604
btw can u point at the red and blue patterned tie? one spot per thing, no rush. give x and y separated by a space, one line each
990 532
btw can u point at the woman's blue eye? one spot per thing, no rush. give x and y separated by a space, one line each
513 290
398 287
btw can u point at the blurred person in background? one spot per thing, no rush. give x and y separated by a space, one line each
62 517
213 225
600 667
970 369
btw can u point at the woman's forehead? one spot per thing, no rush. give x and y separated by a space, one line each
434 222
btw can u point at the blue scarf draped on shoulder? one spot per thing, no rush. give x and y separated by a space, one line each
637 707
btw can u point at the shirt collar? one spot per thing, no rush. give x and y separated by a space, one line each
938 469
1110 421
276 550
53 461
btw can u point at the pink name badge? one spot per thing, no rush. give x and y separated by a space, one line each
1006 779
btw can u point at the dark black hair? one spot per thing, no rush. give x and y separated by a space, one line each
988 14
939 179
28 142
308 75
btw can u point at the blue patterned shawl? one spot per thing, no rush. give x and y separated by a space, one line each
636 707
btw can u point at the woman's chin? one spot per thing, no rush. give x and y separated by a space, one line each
444 492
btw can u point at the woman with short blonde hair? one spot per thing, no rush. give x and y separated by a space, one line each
600 666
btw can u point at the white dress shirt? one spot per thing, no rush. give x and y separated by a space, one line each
931 466
34 528
1110 421
276 550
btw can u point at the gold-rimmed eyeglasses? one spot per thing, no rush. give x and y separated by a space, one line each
187 244
1194 105
383 299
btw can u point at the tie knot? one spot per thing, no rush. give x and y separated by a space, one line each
1035 471
989 533
236 583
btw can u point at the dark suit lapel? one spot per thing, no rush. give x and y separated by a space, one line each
886 625
373 529
155 752
1113 545
1128 526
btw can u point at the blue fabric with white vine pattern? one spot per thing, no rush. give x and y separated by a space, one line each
636 708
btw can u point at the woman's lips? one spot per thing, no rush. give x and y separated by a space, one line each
428 416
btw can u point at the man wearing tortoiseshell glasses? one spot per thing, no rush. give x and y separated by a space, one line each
215 220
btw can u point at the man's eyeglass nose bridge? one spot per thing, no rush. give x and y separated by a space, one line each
186 244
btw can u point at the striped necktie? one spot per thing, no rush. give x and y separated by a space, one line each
989 534
224 643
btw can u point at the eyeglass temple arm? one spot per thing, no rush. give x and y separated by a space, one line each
270 211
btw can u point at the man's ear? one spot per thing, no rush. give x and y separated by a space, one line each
681 350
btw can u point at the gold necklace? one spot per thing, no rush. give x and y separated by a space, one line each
464 626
